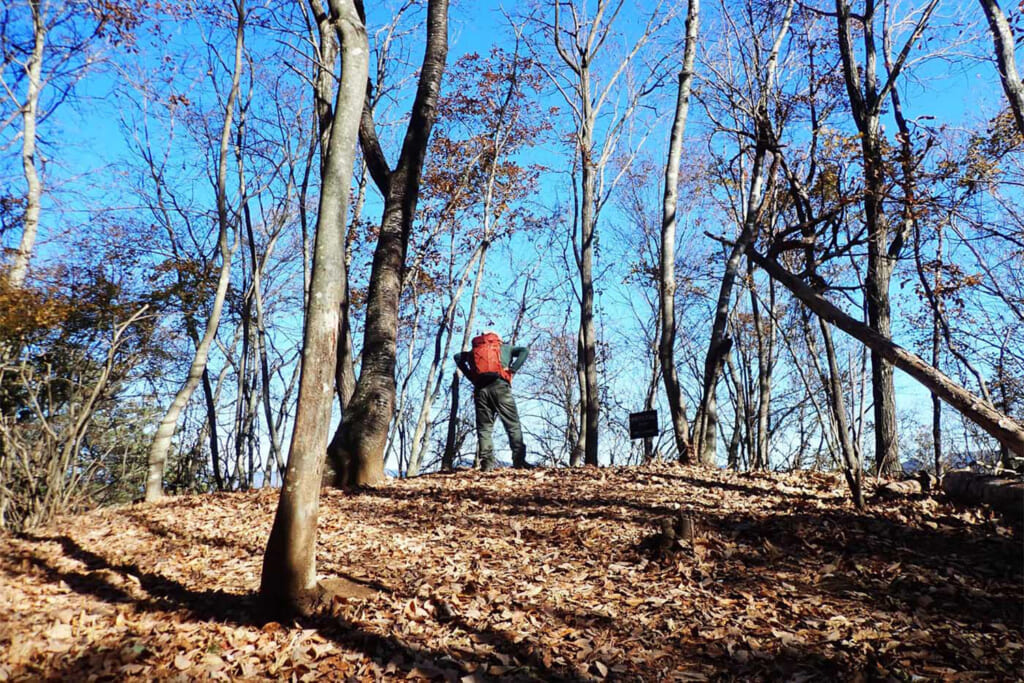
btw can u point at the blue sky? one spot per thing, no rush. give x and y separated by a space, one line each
86 140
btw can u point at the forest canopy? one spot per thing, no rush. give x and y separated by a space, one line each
625 188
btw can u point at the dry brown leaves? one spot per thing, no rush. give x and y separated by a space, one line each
531 575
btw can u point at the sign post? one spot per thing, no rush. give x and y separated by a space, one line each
644 425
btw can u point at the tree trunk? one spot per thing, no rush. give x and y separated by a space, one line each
169 424
211 421
1002 37
1004 429
866 97
450 446
765 361
879 272
666 347
289 564
357 457
323 88
261 345
853 470
579 444
432 388
592 404
30 115
732 458
590 399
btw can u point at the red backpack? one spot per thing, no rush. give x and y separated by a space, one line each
487 357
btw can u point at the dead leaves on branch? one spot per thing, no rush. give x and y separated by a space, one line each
533 575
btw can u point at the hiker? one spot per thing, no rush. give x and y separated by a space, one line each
490 366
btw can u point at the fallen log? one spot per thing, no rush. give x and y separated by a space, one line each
1002 493
899 489
918 484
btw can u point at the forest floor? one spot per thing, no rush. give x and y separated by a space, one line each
529 575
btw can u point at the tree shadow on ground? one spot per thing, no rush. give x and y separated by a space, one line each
605 507
800 539
921 562
518 659
169 532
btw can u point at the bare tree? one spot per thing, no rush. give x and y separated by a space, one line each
226 223
667 341
62 46
289 564
1003 428
579 40
867 97
357 455
30 118
758 137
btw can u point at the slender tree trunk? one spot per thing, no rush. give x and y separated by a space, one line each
666 347
588 333
243 393
852 468
358 456
448 457
1002 37
765 361
289 564
168 425
866 97
719 344
879 272
261 346
936 362
579 446
30 115
211 421
740 417
450 445
432 388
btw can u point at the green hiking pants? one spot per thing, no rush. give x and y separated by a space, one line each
496 399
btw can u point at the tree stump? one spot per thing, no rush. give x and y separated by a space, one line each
675 534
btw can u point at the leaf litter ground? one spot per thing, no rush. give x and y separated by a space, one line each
528 575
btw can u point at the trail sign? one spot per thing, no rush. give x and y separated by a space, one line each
643 424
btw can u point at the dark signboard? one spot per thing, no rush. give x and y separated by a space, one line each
643 425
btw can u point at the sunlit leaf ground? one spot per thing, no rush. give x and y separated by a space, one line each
529 575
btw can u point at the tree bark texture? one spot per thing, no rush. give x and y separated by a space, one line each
1001 427
666 346
1002 37
289 563
30 117
357 455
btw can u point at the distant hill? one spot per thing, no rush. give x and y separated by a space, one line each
528 575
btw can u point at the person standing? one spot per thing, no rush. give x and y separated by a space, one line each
489 366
